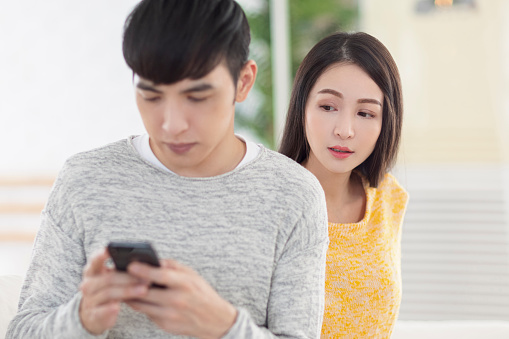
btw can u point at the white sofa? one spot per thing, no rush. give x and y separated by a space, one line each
10 287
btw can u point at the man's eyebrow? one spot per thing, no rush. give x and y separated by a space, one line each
147 87
360 101
198 88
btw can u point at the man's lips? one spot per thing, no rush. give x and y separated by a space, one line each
181 148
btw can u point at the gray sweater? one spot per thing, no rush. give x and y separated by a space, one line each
257 234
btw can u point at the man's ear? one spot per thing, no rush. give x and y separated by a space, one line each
246 80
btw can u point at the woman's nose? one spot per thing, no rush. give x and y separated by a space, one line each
344 127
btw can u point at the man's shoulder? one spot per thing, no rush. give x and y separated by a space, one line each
102 153
111 159
279 160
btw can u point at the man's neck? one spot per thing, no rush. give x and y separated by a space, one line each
222 159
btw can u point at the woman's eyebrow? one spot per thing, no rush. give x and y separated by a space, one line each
330 91
339 95
370 101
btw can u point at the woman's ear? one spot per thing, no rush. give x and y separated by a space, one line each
246 80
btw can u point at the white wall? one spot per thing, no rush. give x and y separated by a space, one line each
64 86
454 162
455 71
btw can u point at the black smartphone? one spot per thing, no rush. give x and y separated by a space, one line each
123 253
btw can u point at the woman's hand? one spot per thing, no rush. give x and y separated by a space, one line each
103 289
188 306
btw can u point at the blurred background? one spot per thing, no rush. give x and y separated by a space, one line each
64 88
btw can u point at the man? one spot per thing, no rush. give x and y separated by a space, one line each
244 228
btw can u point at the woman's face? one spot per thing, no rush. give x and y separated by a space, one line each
343 119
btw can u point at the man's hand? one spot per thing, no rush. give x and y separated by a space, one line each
188 306
103 289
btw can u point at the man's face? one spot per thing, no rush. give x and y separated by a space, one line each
190 123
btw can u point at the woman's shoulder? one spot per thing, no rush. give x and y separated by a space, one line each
389 182
391 190
388 190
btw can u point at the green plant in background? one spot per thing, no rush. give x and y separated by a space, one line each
310 20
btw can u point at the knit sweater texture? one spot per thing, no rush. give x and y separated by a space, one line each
363 274
257 234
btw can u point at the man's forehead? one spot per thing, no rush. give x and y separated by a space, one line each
147 82
220 70
211 80
185 86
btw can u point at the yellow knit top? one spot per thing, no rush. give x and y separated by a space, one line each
363 275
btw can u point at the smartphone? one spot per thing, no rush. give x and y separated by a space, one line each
123 253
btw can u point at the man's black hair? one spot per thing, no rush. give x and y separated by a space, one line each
166 41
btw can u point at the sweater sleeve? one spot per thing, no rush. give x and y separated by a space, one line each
50 299
296 302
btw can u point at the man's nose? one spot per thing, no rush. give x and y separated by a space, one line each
174 120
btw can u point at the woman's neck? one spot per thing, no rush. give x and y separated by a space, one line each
344 194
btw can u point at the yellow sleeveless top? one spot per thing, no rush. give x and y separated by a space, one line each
363 274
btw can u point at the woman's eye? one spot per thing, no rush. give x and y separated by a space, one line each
366 115
327 108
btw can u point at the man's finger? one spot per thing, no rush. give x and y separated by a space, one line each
169 263
175 265
91 285
96 263
151 310
172 278
119 293
171 297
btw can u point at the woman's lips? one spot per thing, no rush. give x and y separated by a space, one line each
181 148
340 152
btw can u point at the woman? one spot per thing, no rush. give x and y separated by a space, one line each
344 125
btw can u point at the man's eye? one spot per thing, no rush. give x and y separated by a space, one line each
196 99
152 99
